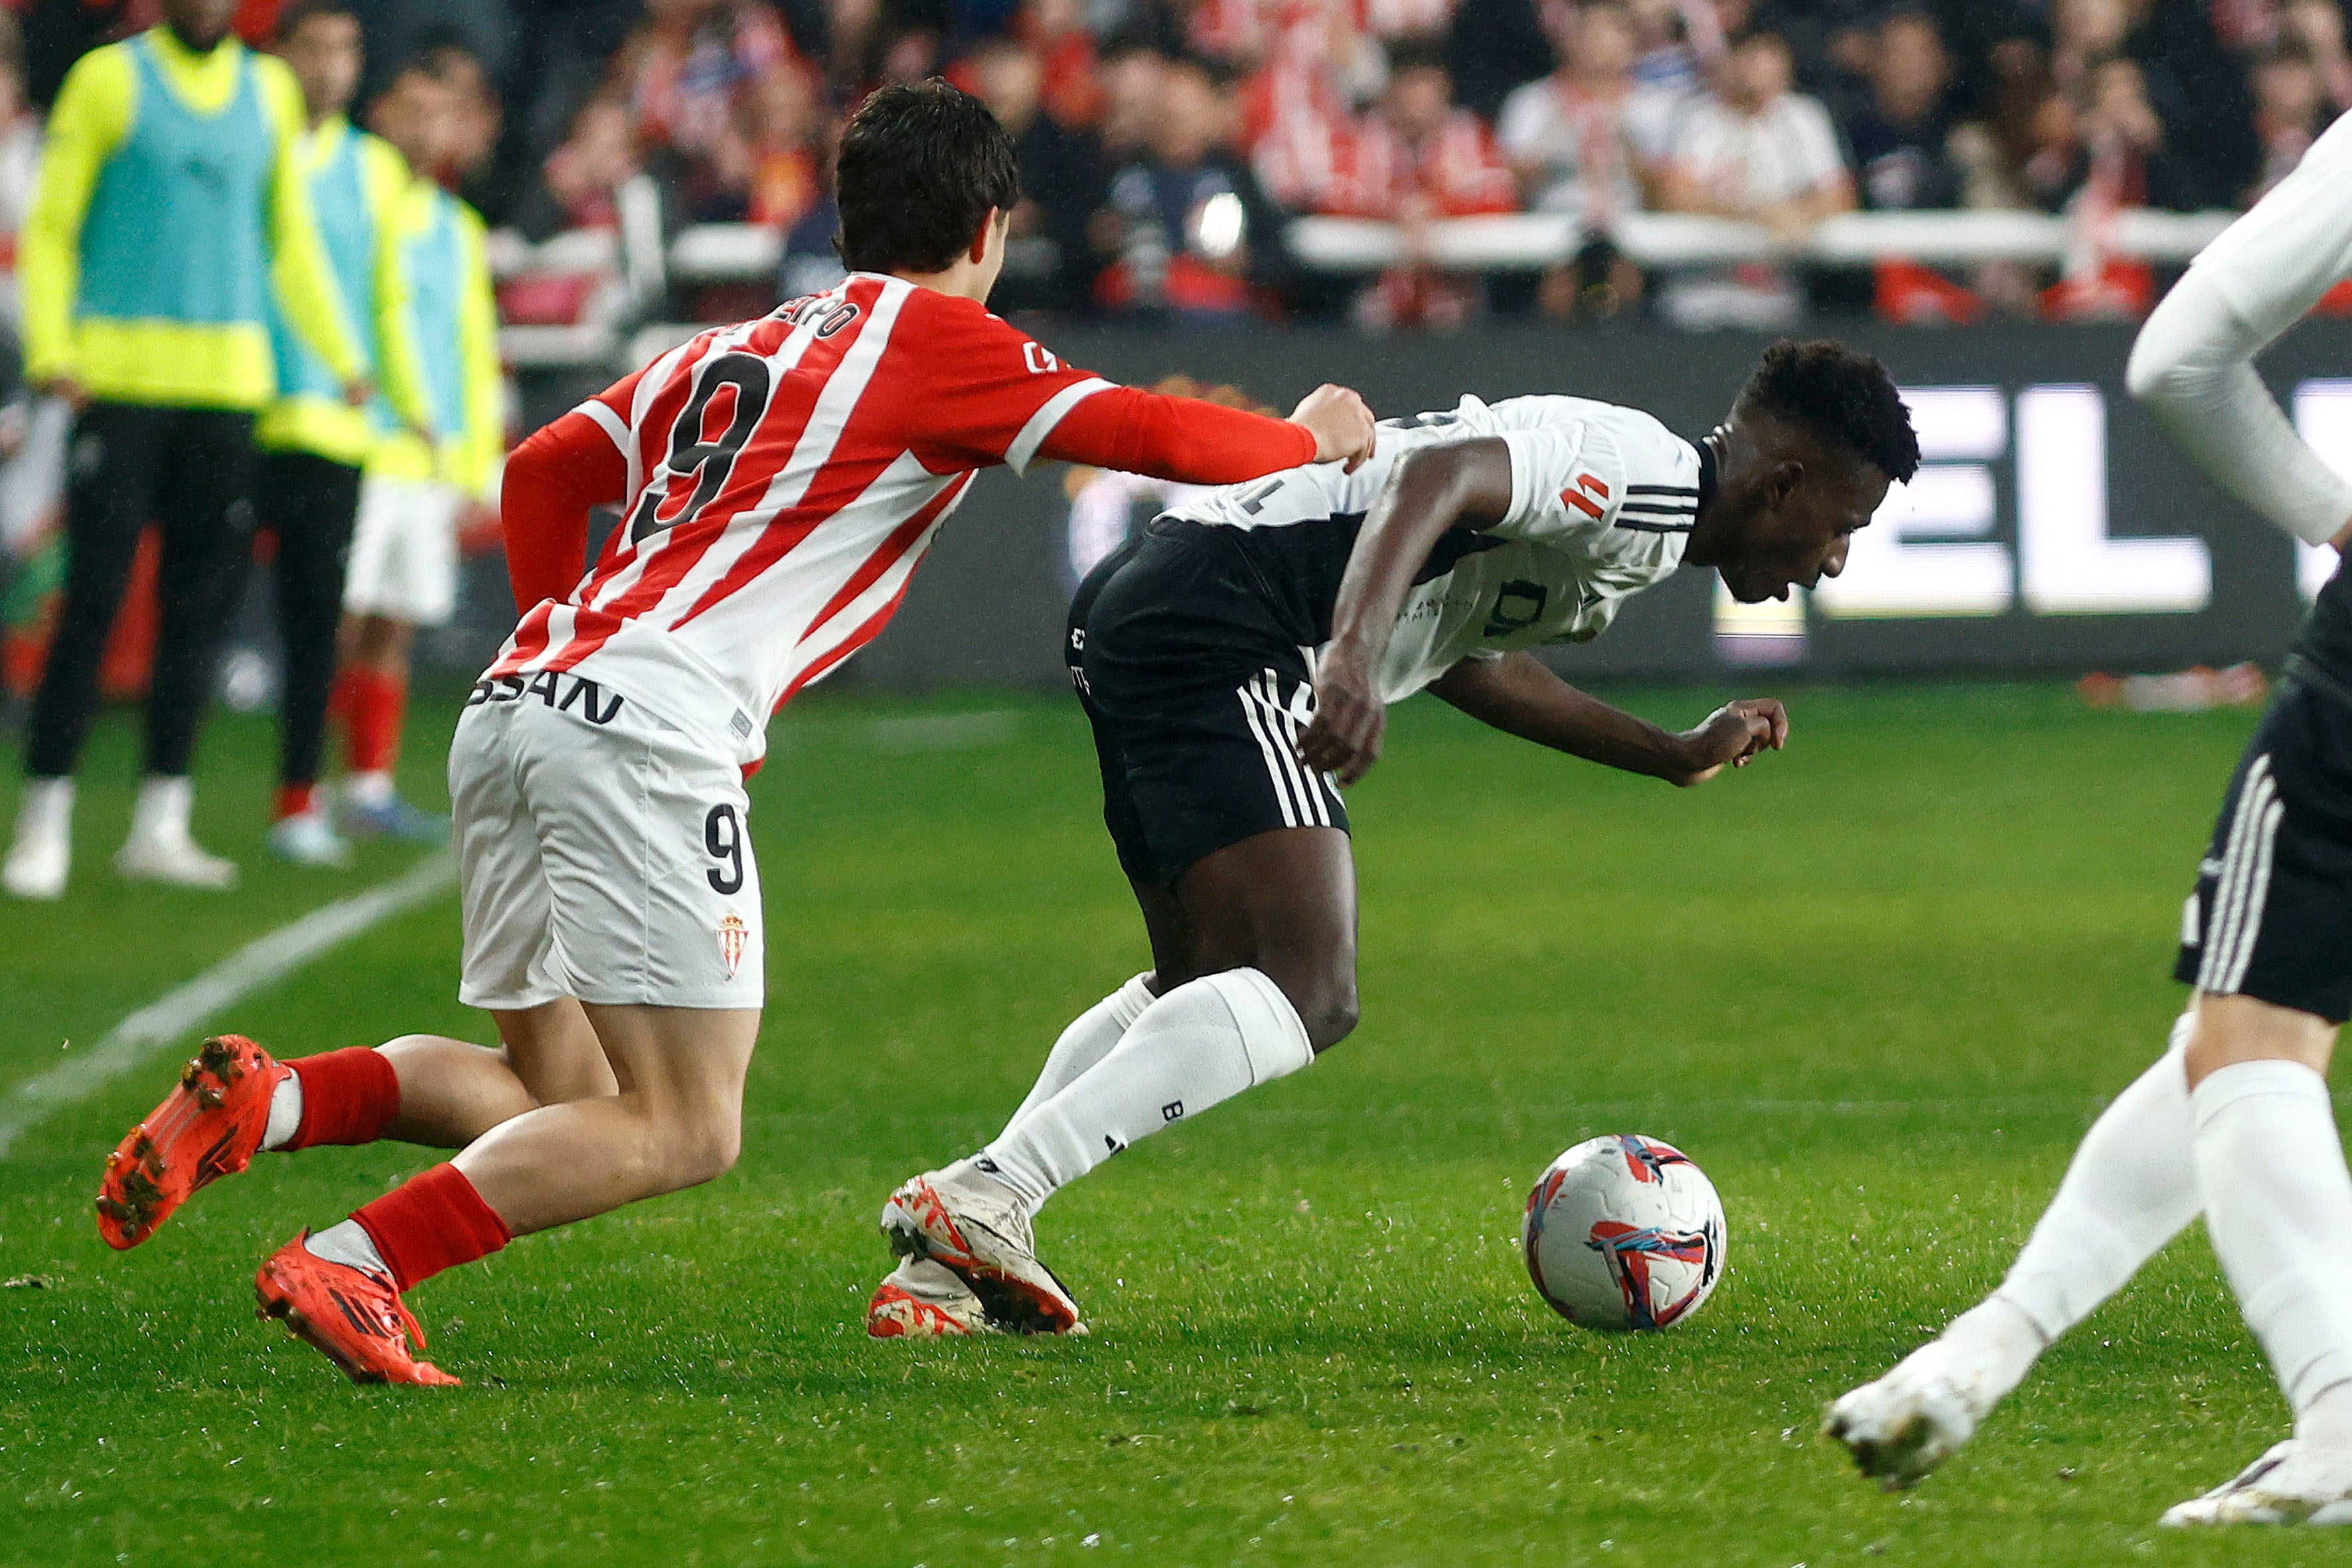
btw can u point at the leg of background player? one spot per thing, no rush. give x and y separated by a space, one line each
676 1123
113 472
207 525
2130 1188
2278 1205
309 503
1260 975
376 686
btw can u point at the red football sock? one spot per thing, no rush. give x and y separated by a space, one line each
378 702
430 1223
348 1097
295 800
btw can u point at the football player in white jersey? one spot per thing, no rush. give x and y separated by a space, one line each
1235 660
2234 1120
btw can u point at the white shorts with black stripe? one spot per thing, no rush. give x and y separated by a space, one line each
2272 915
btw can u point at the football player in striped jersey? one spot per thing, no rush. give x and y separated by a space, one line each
2234 1120
1237 660
779 481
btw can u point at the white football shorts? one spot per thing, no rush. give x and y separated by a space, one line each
404 563
602 854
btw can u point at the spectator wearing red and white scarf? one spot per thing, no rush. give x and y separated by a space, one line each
1248 30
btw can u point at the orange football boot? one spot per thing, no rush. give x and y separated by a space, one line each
208 1127
353 1319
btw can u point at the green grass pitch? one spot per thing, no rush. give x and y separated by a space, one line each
1876 986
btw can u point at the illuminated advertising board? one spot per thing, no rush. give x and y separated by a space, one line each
2050 527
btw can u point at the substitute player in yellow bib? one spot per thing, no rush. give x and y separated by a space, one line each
171 207
404 561
314 444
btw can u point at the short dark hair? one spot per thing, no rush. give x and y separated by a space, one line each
290 20
921 167
1841 396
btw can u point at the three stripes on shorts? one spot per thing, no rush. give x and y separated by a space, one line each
1307 798
2241 887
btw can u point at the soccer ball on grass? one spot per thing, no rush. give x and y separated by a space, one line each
1623 1232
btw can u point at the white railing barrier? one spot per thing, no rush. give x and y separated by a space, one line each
708 253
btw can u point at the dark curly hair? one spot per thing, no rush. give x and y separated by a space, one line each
1844 397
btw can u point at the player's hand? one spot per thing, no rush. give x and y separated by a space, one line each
1349 719
74 396
1736 734
1339 422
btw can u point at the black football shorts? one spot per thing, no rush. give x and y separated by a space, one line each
2272 915
1198 686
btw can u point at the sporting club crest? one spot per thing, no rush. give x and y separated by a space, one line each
732 936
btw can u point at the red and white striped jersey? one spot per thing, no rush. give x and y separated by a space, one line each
785 476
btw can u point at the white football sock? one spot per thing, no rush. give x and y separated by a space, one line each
349 1243
162 814
284 1113
2131 1187
1201 1044
1086 1041
370 789
2278 1203
45 810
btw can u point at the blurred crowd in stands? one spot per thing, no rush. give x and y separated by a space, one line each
1164 143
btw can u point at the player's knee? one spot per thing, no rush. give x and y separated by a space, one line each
704 1145
1329 1010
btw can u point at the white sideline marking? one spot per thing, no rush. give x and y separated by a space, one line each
177 1012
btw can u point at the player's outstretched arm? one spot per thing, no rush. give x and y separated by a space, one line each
1519 695
1195 442
2192 365
1461 484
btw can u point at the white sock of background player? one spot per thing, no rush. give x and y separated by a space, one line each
1088 1039
2278 1202
1204 1042
2131 1187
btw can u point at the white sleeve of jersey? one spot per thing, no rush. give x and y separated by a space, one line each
2193 363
